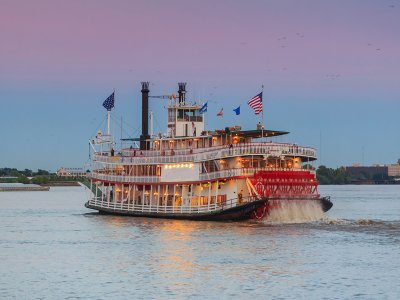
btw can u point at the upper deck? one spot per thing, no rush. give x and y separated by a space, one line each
149 157
187 141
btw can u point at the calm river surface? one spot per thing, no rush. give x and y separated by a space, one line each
52 247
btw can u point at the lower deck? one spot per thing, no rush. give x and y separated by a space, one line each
228 211
187 199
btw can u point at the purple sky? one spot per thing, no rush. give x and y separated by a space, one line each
331 71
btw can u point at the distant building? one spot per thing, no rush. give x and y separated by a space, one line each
394 170
368 172
71 172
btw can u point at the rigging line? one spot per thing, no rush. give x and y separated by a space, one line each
134 129
119 125
129 125
116 121
157 123
124 131
101 123
88 164
137 129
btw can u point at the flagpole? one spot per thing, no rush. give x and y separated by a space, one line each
108 122
204 119
108 117
262 111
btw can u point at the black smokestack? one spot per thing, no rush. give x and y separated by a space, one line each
145 116
182 92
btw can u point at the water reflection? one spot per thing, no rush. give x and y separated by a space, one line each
50 240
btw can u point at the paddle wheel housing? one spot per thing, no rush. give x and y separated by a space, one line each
286 184
283 185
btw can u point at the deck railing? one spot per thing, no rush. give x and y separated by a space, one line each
123 178
198 155
168 209
202 177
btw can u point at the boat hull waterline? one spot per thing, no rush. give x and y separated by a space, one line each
237 213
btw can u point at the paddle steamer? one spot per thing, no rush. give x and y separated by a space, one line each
198 174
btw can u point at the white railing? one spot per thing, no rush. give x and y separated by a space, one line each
143 160
123 178
203 176
198 155
164 209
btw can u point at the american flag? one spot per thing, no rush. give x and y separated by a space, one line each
256 103
109 102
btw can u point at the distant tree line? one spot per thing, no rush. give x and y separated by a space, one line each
15 173
341 176
332 176
39 177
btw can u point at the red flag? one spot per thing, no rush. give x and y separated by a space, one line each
221 113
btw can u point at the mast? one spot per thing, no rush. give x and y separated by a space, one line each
109 115
151 123
262 112
108 122
121 132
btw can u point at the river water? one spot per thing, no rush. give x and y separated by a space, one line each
51 247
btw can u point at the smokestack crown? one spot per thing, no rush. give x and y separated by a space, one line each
145 86
182 92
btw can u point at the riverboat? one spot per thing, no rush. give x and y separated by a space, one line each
198 174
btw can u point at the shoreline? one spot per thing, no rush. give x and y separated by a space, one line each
41 188
24 188
61 183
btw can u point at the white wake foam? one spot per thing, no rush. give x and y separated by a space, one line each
294 211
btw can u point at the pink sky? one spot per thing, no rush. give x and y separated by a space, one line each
300 42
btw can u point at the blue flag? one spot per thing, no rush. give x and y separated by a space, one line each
109 102
237 110
203 109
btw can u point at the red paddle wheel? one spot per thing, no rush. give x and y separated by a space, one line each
283 185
